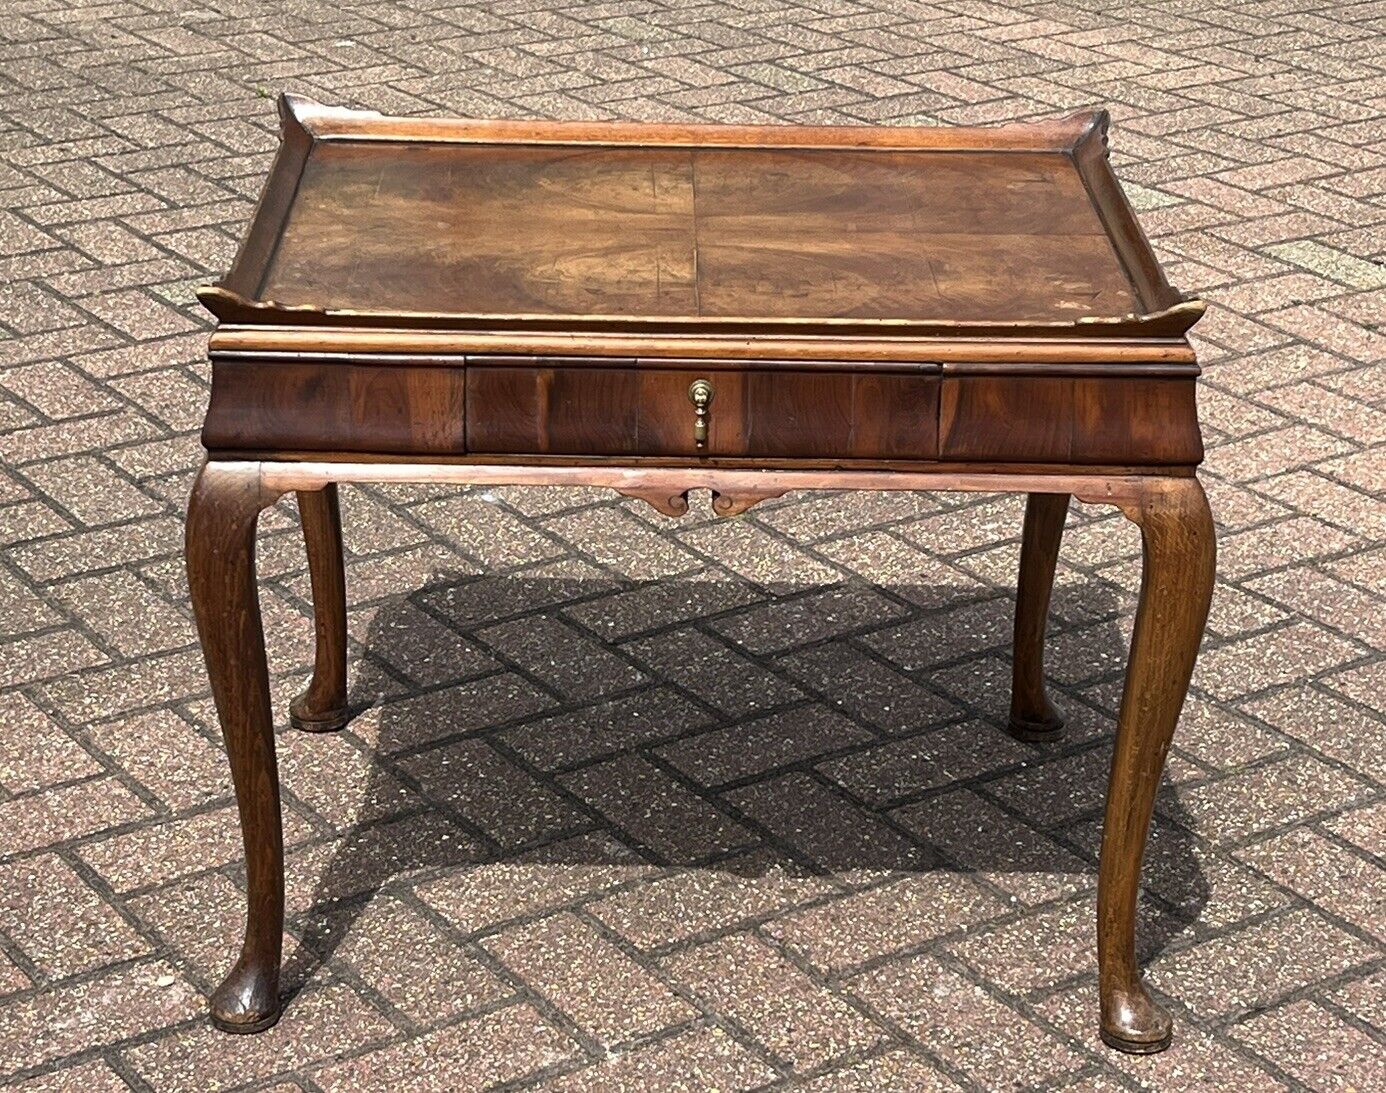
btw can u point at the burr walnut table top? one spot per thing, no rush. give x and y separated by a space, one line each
790 233
456 223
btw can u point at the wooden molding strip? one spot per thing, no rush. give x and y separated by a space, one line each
432 346
337 123
235 309
267 221
1092 158
1067 368
671 482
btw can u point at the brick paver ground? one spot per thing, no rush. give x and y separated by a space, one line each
641 804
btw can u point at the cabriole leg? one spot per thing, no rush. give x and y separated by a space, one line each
1033 716
323 706
1176 587
222 514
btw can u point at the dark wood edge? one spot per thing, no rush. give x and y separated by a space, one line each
235 308
252 260
430 346
490 465
1091 157
460 360
1115 370
334 123
1062 368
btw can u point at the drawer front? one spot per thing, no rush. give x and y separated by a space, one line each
1134 421
641 410
284 405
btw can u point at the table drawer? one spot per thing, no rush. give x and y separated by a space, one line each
644 410
280 404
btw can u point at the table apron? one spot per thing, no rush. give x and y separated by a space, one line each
285 476
627 408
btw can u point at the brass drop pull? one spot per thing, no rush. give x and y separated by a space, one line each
700 395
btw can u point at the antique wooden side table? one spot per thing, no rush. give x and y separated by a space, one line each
661 308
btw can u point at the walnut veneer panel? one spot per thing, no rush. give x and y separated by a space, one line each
627 231
266 405
637 411
1029 419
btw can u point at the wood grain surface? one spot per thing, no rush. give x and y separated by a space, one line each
803 233
366 407
636 411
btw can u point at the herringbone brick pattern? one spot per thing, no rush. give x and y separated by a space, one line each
640 804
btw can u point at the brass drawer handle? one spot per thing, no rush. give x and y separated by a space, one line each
700 395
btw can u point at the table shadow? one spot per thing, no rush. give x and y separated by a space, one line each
455 764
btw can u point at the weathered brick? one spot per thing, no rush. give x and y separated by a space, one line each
321 1024
61 924
963 1024
602 990
1316 1046
67 812
774 1001
122 1002
504 1045
1257 966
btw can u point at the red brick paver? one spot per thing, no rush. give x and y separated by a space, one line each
640 804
